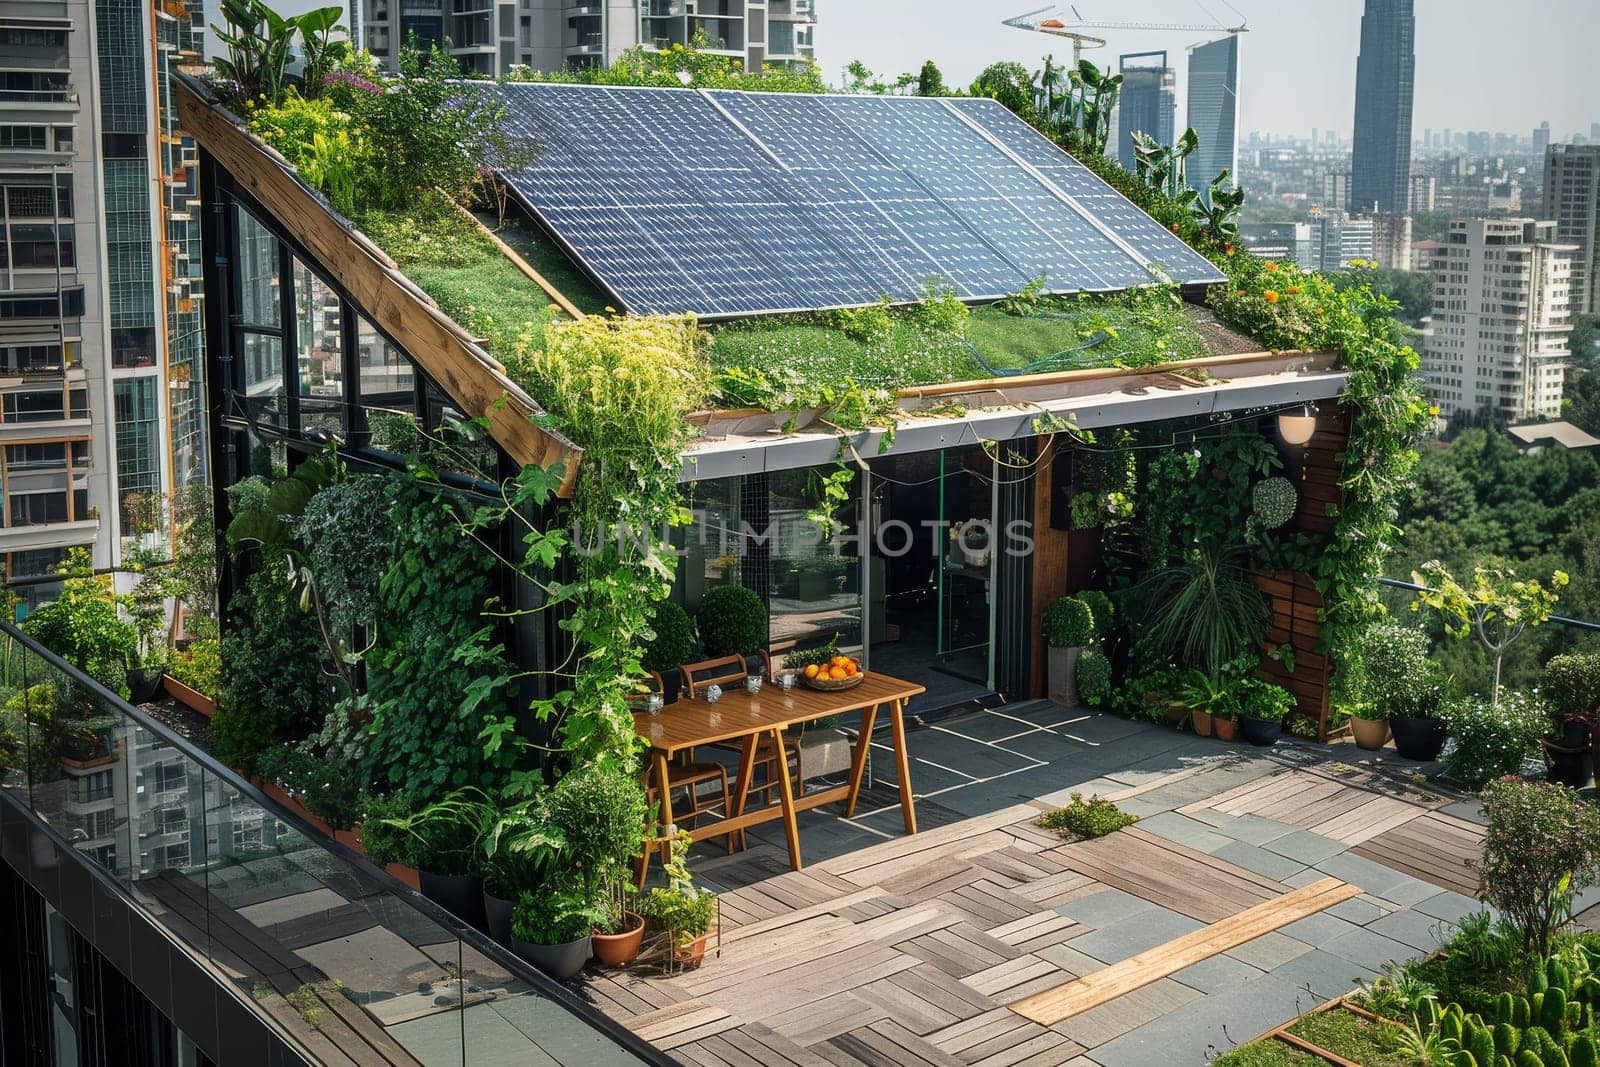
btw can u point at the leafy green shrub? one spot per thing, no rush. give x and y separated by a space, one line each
1274 501
347 532
555 915
383 836
1542 846
1387 668
1094 817
322 143
437 676
1573 683
1257 698
1203 611
673 644
686 916
275 690
1100 608
325 787
83 626
1492 741
1094 677
199 666
601 814
733 621
1068 623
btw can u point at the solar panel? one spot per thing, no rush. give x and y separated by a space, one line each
730 203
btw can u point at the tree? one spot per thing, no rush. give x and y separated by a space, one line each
1581 404
1010 84
859 79
1497 605
1412 290
930 82
1584 341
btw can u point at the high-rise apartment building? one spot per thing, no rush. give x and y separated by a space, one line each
1214 110
1148 104
1541 139
492 36
99 314
1338 240
1391 240
59 459
1424 189
1335 190
1380 161
1572 199
1501 319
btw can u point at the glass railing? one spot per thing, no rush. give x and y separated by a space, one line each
344 960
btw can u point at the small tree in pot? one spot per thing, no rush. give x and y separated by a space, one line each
1069 627
1572 683
600 814
1386 668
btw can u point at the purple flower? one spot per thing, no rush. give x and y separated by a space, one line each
354 81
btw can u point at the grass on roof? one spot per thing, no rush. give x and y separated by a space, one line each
805 360
444 254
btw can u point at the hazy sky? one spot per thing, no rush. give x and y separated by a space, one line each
1481 64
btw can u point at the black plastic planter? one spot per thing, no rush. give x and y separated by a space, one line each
1260 732
143 684
1417 738
497 912
459 894
558 961
1571 758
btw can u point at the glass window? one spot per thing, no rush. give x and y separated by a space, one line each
319 350
37 406
262 364
37 509
386 377
815 584
259 303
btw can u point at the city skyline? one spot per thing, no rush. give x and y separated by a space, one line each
1285 87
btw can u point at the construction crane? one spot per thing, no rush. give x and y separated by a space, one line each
1046 20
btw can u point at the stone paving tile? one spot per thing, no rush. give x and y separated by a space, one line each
1184 830
1373 878
1114 1018
1269 950
1259 860
1131 936
1360 910
1305 846
1421 931
1104 908
1190 1035
1325 974
1070 959
1251 829
1451 906
1371 949
1217 974
1304 878
1317 929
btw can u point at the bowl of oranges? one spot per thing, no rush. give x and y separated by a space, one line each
826 668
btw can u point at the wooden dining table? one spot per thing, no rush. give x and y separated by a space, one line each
752 718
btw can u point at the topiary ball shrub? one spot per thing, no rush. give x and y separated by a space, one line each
1274 502
1572 682
1068 623
1100 609
733 621
1094 678
673 644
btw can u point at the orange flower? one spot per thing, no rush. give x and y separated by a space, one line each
1241 292
1272 265
1271 296
1293 290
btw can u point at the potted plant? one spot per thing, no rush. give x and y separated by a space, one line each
1093 678
670 648
1068 626
1370 726
519 853
681 910
1262 708
1387 668
449 845
1203 696
1572 682
146 603
194 675
550 928
600 814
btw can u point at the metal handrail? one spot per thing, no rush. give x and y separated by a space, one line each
1395 583
548 987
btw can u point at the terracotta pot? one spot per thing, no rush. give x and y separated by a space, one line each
1224 729
692 954
1370 734
1202 722
618 950
192 699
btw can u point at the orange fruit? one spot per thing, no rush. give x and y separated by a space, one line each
837 661
838 674
811 670
851 670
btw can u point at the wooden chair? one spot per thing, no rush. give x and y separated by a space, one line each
689 775
731 670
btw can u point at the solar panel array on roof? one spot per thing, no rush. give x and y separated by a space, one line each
730 203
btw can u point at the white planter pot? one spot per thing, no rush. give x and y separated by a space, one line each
1062 664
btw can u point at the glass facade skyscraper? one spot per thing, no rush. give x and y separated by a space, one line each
1148 103
1380 161
1214 110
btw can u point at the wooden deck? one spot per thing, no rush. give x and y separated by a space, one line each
918 950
